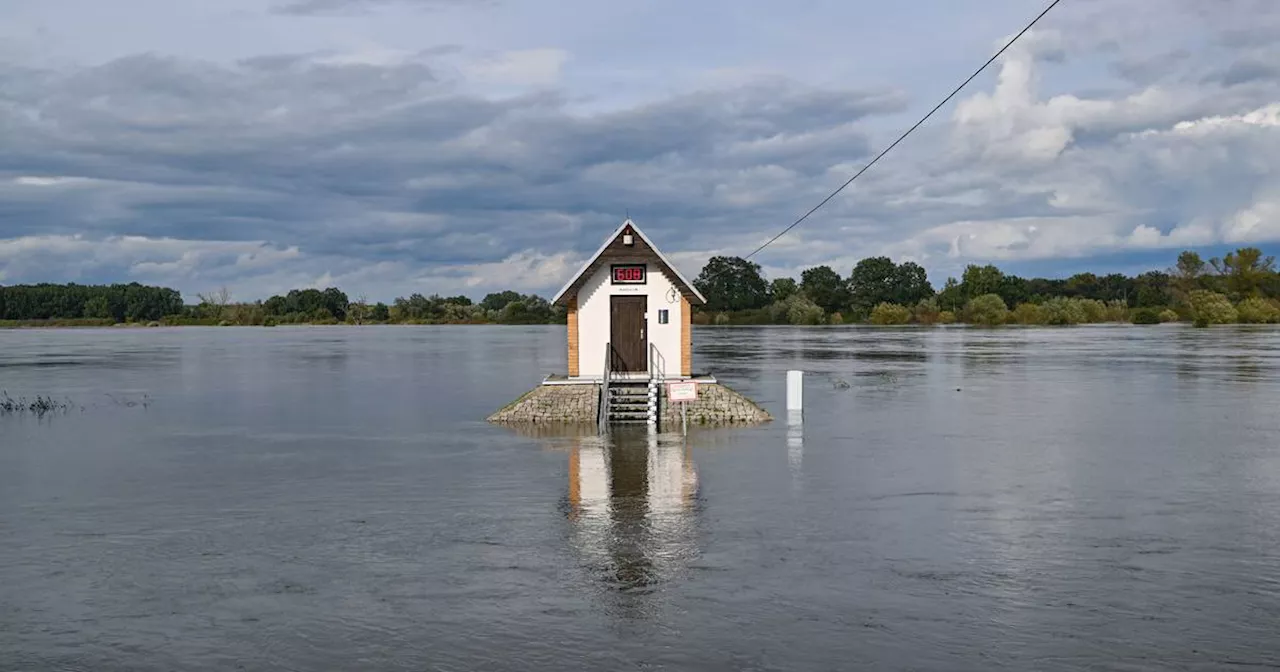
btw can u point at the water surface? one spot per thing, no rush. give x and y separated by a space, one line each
330 498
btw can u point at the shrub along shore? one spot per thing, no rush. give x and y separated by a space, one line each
72 305
1241 287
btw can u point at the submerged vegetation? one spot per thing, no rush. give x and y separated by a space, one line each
40 406
1243 287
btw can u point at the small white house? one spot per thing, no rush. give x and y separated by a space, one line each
629 308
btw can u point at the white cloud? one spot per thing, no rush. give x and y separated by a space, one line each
527 268
1259 222
1266 117
447 148
525 67
39 181
1013 123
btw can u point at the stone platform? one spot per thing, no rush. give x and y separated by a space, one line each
568 401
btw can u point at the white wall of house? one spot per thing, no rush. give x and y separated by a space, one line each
594 317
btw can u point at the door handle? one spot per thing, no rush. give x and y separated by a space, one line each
642 332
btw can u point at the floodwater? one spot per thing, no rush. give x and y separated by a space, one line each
331 499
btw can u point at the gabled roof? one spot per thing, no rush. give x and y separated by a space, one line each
613 248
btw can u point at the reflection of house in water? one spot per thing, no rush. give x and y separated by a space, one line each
631 506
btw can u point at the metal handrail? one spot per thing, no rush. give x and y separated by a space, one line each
604 388
658 375
657 364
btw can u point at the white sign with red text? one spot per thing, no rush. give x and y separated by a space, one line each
685 391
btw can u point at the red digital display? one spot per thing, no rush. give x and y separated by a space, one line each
628 275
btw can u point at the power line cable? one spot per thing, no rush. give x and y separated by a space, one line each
911 130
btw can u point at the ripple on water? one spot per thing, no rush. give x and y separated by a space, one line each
323 499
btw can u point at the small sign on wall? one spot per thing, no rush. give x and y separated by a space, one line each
685 391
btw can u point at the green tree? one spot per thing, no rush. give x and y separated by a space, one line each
1095 311
1028 313
358 311
890 314
1083 285
782 288
1117 310
1152 289
97 306
1062 311
951 297
732 283
987 309
1256 310
499 300
276 305
1014 290
910 284
927 311
214 304
380 312
1146 315
1041 289
824 287
1210 308
529 309
872 282
1116 287
1244 271
980 280
310 304
1187 274
802 311
335 301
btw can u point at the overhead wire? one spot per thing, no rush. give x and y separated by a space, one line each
909 131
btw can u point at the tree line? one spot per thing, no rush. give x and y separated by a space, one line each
107 303
75 304
1242 286
333 306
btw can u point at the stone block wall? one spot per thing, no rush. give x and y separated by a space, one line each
579 404
716 405
553 404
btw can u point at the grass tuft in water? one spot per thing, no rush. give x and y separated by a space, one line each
39 406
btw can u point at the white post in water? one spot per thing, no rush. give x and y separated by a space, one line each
795 442
795 391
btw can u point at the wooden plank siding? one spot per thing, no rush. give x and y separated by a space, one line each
686 337
573 335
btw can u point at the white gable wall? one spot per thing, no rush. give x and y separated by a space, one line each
593 317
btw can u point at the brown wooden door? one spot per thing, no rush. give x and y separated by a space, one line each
627 333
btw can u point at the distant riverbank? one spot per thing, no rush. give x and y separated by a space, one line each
1243 287
108 324
93 323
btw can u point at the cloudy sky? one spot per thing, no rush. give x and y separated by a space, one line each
398 146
